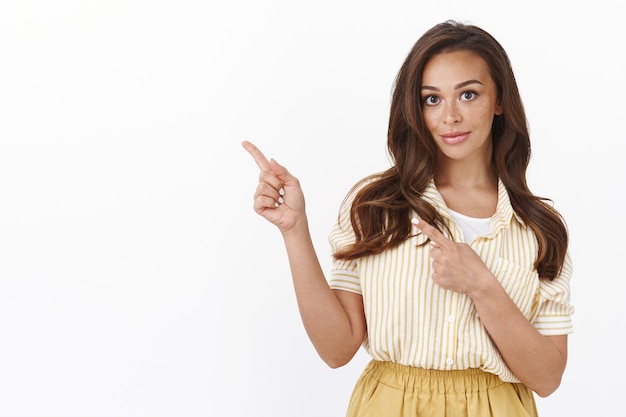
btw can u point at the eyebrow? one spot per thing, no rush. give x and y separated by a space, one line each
456 87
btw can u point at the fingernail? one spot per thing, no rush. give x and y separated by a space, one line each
281 191
415 220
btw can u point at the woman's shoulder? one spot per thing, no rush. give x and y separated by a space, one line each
357 187
365 181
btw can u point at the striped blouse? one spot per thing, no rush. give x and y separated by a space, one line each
413 321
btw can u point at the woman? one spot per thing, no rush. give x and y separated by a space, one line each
448 270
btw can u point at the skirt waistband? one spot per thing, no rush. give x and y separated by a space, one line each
431 380
393 390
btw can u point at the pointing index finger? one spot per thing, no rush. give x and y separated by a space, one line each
258 156
433 234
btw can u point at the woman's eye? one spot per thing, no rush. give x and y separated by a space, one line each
468 95
431 100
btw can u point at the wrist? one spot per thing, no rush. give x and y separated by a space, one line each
297 230
484 285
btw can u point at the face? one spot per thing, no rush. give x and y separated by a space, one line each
459 103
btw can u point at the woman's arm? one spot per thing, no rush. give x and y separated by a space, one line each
334 320
536 360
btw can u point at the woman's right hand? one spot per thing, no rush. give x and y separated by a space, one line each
278 196
334 320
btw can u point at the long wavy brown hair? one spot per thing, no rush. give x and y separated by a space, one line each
381 210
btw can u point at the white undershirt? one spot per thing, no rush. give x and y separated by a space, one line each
471 227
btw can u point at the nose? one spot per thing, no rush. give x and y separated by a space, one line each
451 112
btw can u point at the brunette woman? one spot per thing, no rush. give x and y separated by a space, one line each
448 270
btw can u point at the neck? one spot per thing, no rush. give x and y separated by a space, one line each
465 174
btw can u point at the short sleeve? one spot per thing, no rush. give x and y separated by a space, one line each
345 274
555 310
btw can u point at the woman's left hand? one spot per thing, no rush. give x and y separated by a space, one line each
456 266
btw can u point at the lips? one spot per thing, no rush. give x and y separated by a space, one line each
453 138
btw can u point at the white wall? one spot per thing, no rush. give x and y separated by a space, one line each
135 279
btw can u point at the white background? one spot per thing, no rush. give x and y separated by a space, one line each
135 279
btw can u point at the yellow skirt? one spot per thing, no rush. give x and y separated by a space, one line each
386 389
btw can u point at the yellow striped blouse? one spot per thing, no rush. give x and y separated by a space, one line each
414 322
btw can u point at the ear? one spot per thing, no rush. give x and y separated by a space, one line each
498 111
499 108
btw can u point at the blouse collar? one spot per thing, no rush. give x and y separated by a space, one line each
504 210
